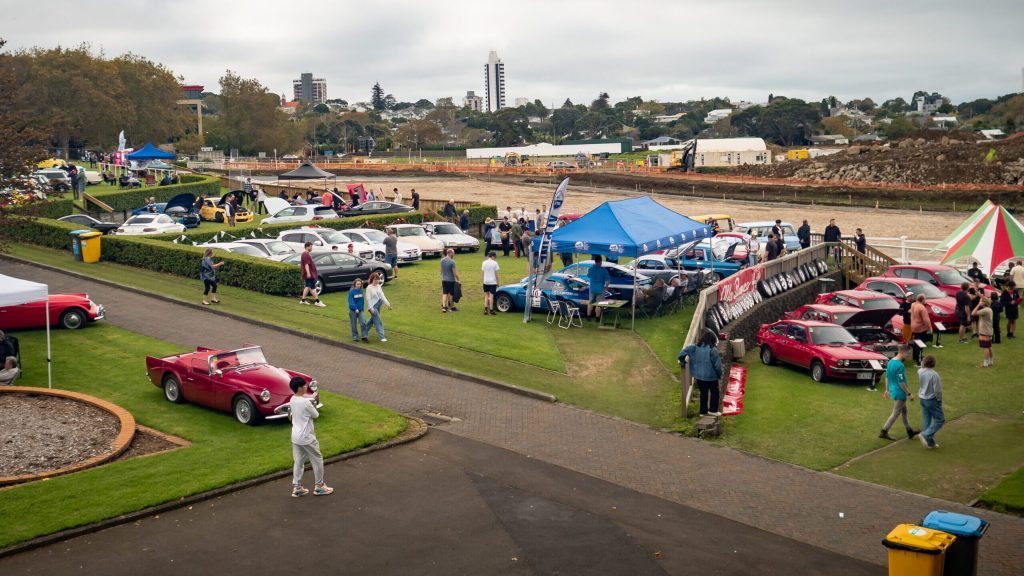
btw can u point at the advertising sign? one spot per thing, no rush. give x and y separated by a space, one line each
739 284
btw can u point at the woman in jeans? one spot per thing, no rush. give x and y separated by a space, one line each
374 300
208 274
706 369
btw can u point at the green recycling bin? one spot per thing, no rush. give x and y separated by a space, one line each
76 244
962 555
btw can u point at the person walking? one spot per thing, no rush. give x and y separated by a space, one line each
208 274
449 276
898 392
920 326
305 446
983 313
415 199
449 211
599 279
997 312
356 304
490 270
391 250
804 234
706 368
963 310
464 222
930 396
833 234
860 240
309 276
1011 307
375 299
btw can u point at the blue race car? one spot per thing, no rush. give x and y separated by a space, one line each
620 283
511 297
698 256
180 207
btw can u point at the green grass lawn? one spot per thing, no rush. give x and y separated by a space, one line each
108 362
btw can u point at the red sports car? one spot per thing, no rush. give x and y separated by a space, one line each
872 328
945 278
941 308
237 381
863 299
71 311
828 350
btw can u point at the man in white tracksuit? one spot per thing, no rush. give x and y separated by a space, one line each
304 442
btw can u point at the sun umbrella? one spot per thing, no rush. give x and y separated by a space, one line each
990 237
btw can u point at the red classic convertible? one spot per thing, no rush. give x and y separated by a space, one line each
237 381
71 311
828 350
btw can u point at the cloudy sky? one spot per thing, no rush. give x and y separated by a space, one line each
658 49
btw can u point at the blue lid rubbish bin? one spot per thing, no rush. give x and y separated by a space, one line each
962 556
76 244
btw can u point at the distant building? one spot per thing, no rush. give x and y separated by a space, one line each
473 102
930 103
716 115
668 118
994 134
494 83
310 90
830 140
288 107
193 98
520 102
944 121
731 152
662 143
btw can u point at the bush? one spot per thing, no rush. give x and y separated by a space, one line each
136 197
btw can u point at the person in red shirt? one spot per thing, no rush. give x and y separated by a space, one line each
327 199
309 277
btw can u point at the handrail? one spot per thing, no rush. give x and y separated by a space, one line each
90 199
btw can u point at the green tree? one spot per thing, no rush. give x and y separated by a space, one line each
321 108
417 133
510 127
250 120
601 103
151 111
900 127
424 104
377 97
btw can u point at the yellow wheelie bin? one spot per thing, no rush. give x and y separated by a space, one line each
90 246
917 551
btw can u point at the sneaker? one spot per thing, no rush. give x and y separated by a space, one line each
367 340
871 389
383 339
911 432
884 435
319 304
322 490
444 310
304 302
299 491
714 413
923 441
454 309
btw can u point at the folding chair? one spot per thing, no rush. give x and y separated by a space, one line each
553 310
570 315
672 303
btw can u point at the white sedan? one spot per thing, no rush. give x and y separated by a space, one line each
150 224
406 252
450 235
236 248
329 238
282 212
416 235
269 246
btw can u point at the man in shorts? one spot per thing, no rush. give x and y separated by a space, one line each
391 249
963 310
490 269
599 279
449 277
309 276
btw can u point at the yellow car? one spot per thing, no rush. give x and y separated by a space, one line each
52 163
213 211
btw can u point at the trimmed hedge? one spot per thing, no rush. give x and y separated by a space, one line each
133 198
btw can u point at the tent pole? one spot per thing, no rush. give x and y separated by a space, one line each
632 324
49 370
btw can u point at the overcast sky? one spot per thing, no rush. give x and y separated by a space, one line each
554 49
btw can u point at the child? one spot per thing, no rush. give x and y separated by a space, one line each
355 307
930 395
304 443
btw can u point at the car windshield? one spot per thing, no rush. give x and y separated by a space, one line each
236 358
141 220
277 247
446 229
928 290
375 235
411 231
830 335
841 317
247 250
950 277
332 237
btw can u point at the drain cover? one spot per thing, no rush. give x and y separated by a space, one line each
433 418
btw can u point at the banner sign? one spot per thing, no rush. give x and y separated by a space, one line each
739 284
543 258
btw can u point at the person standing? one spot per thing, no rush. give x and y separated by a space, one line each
488 226
261 200
208 274
305 446
464 222
997 311
975 297
449 276
975 273
777 228
230 209
516 235
771 249
526 245
860 241
1017 276
920 325
73 174
908 334
449 211
398 196
309 276
375 299
490 270
1011 306
833 234
356 303
391 250
415 199
353 197
247 189
599 278
898 392
963 310
706 368
804 234
983 313
505 227
930 395
327 199
83 181
753 249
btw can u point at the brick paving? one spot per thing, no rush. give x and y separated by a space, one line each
770 495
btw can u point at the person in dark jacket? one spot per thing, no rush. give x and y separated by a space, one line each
464 222
832 234
415 199
860 240
449 211
1011 307
997 311
706 368
804 234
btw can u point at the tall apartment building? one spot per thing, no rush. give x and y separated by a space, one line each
309 89
473 102
494 82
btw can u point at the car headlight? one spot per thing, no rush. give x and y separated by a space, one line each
937 310
843 363
265 395
313 386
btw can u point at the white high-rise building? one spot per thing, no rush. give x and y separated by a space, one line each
494 82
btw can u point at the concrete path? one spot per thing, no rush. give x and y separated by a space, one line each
769 495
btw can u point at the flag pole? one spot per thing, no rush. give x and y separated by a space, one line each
544 250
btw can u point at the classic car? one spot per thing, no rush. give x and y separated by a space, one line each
71 311
941 308
945 278
620 278
236 248
406 252
828 350
740 239
700 256
237 381
375 207
450 235
89 221
213 210
180 207
863 299
339 270
512 297
872 328
764 228
302 213
327 238
720 223
268 246
150 224
416 235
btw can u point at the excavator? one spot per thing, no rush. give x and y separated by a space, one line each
682 159
514 159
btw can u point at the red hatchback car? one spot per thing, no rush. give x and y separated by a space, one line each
872 328
941 308
71 311
828 350
945 278
237 381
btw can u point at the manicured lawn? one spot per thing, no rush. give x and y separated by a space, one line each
108 362
1008 495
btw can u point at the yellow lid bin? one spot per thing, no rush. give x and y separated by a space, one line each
90 246
916 551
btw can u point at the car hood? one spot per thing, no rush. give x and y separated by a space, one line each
275 205
871 318
423 242
260 376
948 303
186 201
846 352
463 238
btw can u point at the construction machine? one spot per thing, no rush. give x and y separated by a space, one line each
513 159
583 160
682 159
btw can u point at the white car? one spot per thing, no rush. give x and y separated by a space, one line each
150 224
406 252
237 248
91 176
327 238
268 246
450 235
282 212
415 234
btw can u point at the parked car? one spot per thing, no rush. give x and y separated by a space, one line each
237 248
416 235
71 311
701 256
451 236
763 228
180 207
740 240
872 328
561 165
407 253
719 222
827 350
57 178
863 299
656 266
296 239
941 308
302 213
150 224
237 381
213 210
945 278
511 297
89 221
268 246
375 207
620 278
339 270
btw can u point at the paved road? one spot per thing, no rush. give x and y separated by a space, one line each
442 505
769 495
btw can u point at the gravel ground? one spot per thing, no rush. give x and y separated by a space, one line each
40 433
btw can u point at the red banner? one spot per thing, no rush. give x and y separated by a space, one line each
739 284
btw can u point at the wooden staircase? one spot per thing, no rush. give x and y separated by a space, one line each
857 266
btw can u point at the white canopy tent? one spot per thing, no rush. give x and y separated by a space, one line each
15 291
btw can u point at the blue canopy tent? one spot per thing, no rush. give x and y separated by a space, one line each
149 152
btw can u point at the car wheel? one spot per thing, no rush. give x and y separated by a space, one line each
319 285
245 411
172 389
767 358
73 319
503 303
218 217
817 371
